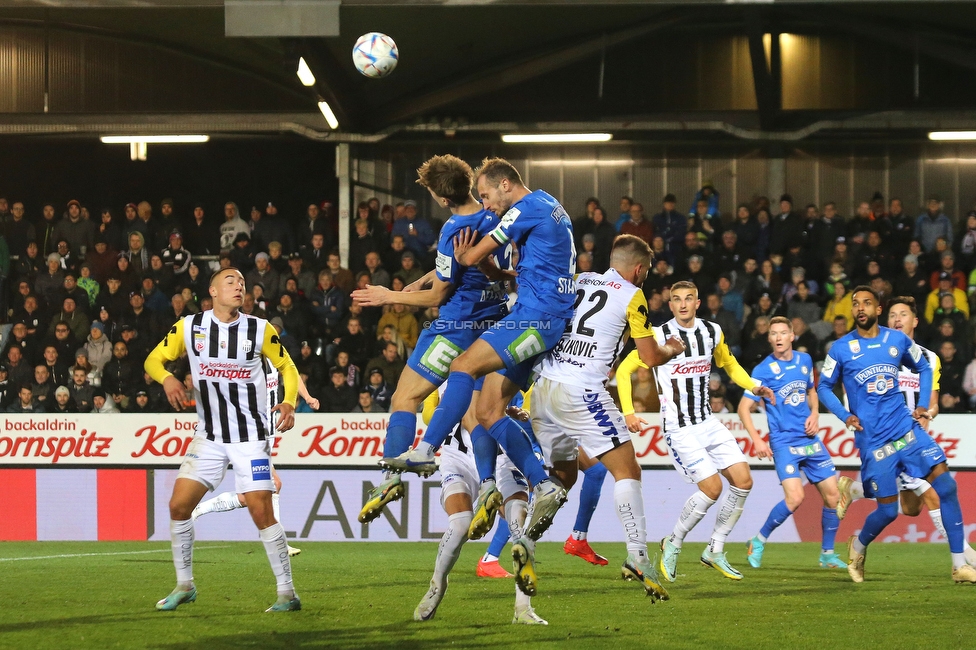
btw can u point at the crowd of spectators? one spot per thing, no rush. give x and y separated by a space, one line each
89 294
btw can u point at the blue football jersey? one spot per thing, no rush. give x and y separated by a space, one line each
869 370
475 298
543 233
790 380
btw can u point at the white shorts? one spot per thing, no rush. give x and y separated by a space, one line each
459 475
206 461
908 483
701 450
565 417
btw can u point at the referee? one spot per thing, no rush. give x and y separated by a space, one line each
226 350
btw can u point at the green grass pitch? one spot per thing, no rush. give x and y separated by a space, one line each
362 595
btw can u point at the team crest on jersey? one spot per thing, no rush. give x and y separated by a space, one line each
774 367
893 351
223 345
855 346
803 369
790 469
246 346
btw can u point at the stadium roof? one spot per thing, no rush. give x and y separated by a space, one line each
641 70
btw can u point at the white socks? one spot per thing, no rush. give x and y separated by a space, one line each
515 513
450 547
936 516
276 547
579 535
727 518
694 509
276 507
181 538
224 502
629 499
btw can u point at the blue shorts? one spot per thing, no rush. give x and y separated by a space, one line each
812 458
520 338
915 454
438 346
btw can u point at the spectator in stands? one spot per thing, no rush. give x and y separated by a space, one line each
304 280
671 226
697 274
902 227
638 225
141 404
20 338
73 317
315 256
756 347
710 196
29 265
404 322
767 281
62 401
729 257
379 391
137 254
362 244
584 261
393 254
969 385
56 368
911 281
18 231
31 316
859 225
947 310
154 299
341 277
945 286
948 265
43 386
933 224
408 272
78 232
81 390
98 347
952 395
338 397
48 285
390 363
64 341
417 234
693 246
625 203
805 340
352 372
174 256
603 235
119 373
313 223
45 230
20 371
708 225
109 230
803 305
88 285
263 274
583 225
839 306
241 254
70 289
787 227
25 402
714 311
295 319
201 236
366 404
764 307
328 306
100 404
967 243
232 226
731 297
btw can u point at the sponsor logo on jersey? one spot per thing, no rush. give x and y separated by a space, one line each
855 346
892 448
592 401
827 370
199 341
223 370
444 264
909 381
694 367
871 372
881 385
260 470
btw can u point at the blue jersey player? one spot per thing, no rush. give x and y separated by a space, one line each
887 435
793 444
470 303
505 354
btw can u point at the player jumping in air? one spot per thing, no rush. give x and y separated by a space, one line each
701 446
793 442
226 350
868 361
470 303
572 409
506 353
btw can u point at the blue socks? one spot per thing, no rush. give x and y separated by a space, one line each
454 403
829 523
485 454
877 521
516 444
777 516
589 496
500 539
399 433
945 487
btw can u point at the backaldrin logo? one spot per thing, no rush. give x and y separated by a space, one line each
346 441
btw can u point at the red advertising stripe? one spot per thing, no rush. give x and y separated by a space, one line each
121 504
18 517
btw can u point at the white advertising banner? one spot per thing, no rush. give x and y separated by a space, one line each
348 440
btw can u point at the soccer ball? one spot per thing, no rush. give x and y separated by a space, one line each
375 55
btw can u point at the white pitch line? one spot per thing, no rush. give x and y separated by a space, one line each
54 557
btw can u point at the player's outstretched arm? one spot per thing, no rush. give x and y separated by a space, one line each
377 296
170 348
745 414
652 354
423 283
303 391
825 391
724 359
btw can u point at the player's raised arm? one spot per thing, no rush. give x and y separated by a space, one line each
825 391
724 359
914 359
170 348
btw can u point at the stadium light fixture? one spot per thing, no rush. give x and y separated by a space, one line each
555 138
154 139
305 73
138 143
952 136
330 117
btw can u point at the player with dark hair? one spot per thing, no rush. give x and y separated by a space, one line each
886 433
